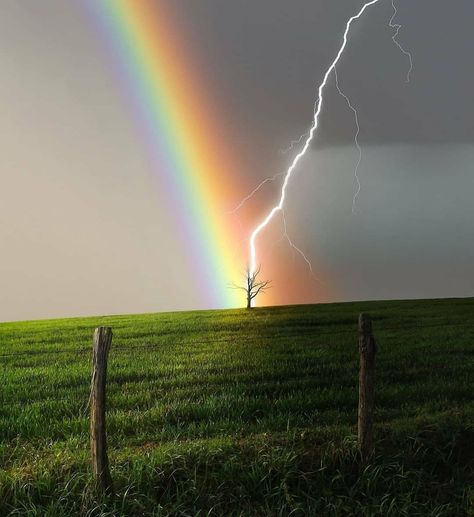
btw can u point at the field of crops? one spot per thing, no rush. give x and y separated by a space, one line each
243 413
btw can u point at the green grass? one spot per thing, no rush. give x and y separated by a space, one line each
243 413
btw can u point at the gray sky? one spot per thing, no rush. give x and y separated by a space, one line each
82 234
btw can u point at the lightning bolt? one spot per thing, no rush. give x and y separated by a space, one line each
298 250
396 27
294 143
356 139
279 207
286 237
254 191
300 139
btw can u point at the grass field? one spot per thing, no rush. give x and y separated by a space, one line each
243 413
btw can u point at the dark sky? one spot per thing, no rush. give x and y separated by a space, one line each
267 56
66 135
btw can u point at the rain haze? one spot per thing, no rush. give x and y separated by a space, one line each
86 229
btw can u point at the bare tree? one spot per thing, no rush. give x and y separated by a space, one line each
253 285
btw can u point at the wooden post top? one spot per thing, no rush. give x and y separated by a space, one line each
365 324
102 332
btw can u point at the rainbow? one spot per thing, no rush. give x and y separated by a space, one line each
178 123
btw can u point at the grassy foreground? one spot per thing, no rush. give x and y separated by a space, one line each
243 413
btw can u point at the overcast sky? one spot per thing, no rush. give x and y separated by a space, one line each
68 201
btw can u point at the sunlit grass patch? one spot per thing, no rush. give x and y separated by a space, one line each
243 413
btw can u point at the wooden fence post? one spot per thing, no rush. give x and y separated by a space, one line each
100 461
367 350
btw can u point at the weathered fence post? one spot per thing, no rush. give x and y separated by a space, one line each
100 461
367 350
